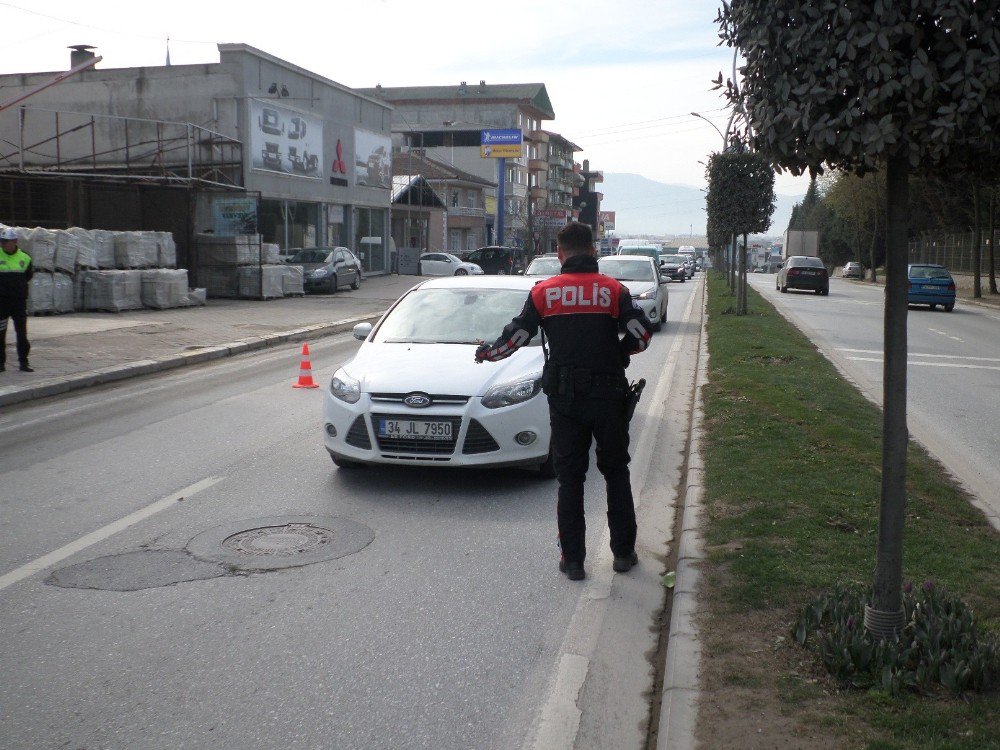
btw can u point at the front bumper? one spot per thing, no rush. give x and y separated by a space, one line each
480 436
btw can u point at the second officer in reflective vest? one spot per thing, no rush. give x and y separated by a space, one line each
15 273
592 327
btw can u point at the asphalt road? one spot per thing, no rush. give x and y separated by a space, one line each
447 627
953 373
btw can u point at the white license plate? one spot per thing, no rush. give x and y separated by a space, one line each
414 429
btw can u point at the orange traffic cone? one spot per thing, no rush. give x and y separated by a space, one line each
305 371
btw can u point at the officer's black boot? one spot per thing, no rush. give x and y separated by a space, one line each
25 367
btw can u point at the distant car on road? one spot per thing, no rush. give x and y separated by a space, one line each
446 264
853 270
674 267
543 266
647 286
803 272
931 285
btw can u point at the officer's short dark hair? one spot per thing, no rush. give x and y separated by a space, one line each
576 237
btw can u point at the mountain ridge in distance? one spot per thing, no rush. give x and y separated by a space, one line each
643 206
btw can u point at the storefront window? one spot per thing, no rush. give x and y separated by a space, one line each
370 239
289 223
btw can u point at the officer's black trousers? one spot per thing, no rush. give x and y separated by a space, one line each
20 317
574 422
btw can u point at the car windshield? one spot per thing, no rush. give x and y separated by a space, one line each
453 258
544 267
311 256
652 252
928 272
626 269
672 258
451 316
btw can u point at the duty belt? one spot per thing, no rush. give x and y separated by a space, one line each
569 381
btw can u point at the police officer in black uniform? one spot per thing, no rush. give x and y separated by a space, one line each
15 273
582 314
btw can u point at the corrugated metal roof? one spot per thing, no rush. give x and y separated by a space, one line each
529 93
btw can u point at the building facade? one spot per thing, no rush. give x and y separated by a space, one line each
249 144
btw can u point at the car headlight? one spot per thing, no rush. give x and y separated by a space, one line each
648 294
344 387
515 392
319 273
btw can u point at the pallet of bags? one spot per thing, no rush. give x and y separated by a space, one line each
62 293
40 244
166 250
271 253
220 281
136 250
197 297
292 281
67 250
79 282
104 247
40 296
113 291
237 250
86 255
164 288
251 286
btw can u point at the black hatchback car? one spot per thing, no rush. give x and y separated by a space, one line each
803 272
497 259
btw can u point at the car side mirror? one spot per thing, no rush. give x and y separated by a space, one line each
361 331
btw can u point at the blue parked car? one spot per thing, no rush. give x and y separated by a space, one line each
930 285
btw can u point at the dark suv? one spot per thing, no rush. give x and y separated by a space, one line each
497 259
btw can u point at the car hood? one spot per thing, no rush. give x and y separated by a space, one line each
635 288
437 368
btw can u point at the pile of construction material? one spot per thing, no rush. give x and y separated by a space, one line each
242 266
79 269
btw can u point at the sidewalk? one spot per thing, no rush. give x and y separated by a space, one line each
79 350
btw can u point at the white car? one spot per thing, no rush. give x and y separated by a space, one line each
446 264
645 283
414 395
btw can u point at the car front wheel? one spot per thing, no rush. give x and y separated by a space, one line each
461 272
949 307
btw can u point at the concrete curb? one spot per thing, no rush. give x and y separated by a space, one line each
66 383
681 691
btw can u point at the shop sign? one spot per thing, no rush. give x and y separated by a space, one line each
285 140
500 144
232 216
372 159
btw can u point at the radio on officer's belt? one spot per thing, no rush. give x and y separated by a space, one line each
632 396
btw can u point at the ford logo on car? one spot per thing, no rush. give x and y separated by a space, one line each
417 400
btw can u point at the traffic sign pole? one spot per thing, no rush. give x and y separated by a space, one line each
501 201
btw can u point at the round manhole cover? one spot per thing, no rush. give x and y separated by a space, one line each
279 542
291 539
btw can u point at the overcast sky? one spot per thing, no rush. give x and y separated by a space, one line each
623 75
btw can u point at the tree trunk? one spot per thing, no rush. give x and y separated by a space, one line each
977 244
992 242
872 252
742 308
732 265
884 618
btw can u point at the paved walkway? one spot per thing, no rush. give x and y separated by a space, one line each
83 349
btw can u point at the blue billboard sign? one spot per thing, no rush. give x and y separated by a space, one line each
505 137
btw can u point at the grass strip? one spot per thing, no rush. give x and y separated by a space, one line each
792 483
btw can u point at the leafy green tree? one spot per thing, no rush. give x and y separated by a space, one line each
855 85
740 201
858 202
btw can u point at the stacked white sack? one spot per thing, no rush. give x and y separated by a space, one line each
164 288
86 256
249 278
42 244
166 250
62 293
104 245
136 250
67 250
113 291
292 280
40 297
271 253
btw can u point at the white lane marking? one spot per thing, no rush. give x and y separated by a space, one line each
930 364
945 333
46 561
559 719
915 354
